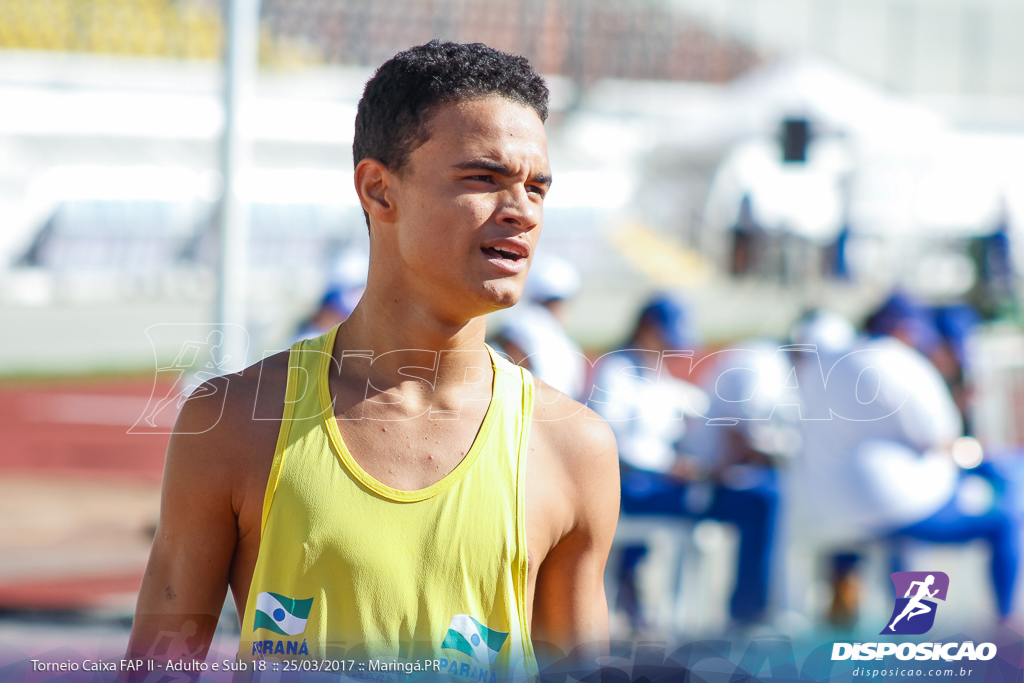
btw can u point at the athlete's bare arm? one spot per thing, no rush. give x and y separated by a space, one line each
572 507
215 473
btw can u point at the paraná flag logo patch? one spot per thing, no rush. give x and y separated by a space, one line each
280 614
469 636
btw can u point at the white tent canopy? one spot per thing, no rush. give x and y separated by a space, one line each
803 199
907 173
954 184
834 100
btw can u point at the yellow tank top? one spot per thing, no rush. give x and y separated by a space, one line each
354 571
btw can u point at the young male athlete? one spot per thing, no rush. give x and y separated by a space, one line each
393 489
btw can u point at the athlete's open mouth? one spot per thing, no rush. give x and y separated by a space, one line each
495 252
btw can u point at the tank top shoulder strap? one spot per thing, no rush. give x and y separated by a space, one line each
519 394
306 359
518 416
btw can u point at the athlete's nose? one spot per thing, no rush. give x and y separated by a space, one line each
518 209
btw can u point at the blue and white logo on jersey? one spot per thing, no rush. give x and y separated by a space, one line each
469 636
281 614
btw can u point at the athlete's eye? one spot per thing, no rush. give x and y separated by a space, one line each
537 189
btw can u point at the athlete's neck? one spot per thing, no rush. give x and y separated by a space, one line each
399 333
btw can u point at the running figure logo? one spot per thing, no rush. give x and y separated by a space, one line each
197 361
914 613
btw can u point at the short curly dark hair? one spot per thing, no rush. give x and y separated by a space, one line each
400 99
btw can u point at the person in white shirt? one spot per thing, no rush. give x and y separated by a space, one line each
875 461
651 412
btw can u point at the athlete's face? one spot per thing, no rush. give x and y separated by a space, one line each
467 206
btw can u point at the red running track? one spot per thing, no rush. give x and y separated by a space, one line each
85 427
69 449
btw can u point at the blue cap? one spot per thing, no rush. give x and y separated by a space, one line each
343 300
903 313
956 322
672 320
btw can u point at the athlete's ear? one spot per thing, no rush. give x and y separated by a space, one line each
372 180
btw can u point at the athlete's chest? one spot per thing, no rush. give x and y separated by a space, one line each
406 452
369 525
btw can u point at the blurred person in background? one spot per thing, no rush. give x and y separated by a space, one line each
651 413
335 307
956 323
748 239
747 440
837 255
533 334
343 293
878 430
995 291
940 334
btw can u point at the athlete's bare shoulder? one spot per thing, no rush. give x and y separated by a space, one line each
572 466
236 414
572 501
224 439
578 438
215 473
